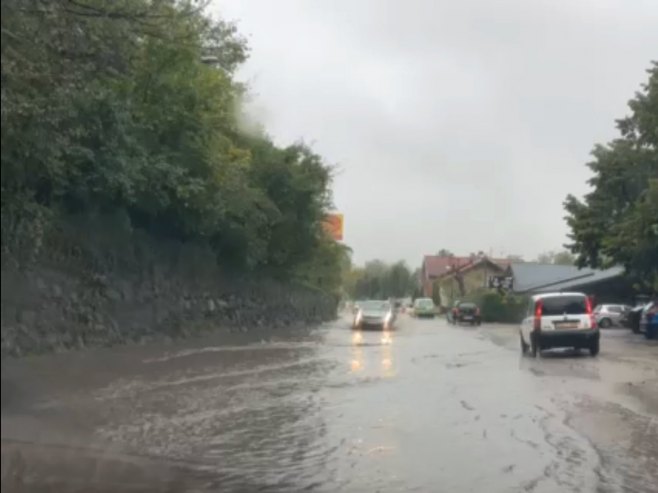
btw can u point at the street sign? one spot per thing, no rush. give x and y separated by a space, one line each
333 225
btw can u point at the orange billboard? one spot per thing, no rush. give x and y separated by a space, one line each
333 225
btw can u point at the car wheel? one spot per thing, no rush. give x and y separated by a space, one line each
594 348
524 346
534 345
605 323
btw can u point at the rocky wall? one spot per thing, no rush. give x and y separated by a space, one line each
97 282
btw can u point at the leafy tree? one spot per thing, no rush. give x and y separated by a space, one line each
131 105
563 257
617 222
380 280
445 253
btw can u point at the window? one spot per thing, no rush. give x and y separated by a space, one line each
561 305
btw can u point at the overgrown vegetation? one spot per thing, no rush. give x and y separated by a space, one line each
499 307
617 222
132 105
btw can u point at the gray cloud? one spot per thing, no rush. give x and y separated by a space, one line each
454 124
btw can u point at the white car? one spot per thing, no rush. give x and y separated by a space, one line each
555 320
609 315
374 313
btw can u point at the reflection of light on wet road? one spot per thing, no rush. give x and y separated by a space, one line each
357 362
364 343
387 361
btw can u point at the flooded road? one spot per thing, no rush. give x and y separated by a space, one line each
425 407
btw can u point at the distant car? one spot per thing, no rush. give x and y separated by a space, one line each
559 320
609 315
424 307
465 312
374 314
649 320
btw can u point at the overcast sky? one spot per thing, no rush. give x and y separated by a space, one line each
453 124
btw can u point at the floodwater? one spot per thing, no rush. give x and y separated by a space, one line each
426 407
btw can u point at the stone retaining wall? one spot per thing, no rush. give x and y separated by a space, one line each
94 284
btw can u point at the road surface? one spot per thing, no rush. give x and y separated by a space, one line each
427 407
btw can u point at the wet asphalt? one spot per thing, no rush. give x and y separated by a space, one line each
426 407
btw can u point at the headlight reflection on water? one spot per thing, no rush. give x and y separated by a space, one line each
357 365
361 351
386 356
357 362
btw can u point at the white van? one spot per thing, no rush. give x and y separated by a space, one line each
559 320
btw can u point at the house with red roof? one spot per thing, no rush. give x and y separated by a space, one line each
446 278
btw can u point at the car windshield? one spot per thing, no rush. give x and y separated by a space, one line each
467 305
424 303
561 305
374 305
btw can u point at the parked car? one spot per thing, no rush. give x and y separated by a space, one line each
465 311
374 314
424 307
611 315
559 320
635 317
649 320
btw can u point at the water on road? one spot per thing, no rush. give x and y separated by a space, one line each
425 407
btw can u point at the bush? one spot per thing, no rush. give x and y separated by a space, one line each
499 307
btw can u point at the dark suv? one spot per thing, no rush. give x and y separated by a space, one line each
465 312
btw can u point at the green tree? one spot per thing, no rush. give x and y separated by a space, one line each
131 105
563 257
380 280
617 222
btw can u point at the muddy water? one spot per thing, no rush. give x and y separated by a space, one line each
425 407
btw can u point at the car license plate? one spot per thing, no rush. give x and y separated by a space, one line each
566 325
467 317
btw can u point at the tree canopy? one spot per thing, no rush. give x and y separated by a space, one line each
133 105
563 257
617 222
378 280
